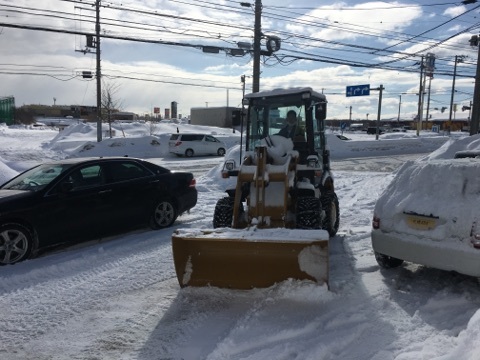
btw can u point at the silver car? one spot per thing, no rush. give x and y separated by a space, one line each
430 215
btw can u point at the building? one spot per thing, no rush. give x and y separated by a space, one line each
7 110
173 107
224 116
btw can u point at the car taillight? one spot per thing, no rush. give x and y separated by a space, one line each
376 222
475 236
192 183
178 143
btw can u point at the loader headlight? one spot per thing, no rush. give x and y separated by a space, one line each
229 165
312 161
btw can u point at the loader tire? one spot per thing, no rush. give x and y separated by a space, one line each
223 214
331 207
308 212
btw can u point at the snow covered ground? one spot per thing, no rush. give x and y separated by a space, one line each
119 298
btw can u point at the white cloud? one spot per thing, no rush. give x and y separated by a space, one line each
455 11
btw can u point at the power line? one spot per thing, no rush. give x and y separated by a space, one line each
122 25
281 58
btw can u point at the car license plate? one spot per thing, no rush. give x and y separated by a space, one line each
421 222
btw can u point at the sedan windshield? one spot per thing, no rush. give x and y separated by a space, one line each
37 178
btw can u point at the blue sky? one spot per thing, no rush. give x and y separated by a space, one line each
327 45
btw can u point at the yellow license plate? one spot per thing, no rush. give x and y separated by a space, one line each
421 222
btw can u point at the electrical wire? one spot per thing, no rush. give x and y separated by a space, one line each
282 59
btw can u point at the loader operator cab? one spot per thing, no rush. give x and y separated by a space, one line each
297 114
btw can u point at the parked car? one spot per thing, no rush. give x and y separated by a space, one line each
467 154
430 215
373 131
73 200
196 144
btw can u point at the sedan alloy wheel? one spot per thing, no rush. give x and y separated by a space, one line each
164 214
15 243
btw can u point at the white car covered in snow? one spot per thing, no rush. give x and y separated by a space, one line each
430 214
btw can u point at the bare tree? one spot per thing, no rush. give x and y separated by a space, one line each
110 103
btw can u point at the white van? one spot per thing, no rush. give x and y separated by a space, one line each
196 144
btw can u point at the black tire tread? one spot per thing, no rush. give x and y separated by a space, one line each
223 213
308 212
328 199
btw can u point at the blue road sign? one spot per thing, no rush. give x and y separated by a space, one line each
358 90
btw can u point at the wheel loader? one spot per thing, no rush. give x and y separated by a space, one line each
276 223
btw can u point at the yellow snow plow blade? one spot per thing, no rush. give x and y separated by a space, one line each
249 258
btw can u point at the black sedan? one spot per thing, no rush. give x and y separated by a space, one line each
82 199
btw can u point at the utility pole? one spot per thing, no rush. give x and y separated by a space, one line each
428 102
470 111
99 73
476 93
256 46
381 88
457 60
242 79
453 90
427 67
399 106
420 105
